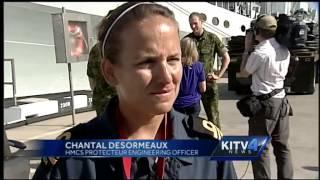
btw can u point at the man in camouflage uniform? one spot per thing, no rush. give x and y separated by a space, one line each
208 46
102 91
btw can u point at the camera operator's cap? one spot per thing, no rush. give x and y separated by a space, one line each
266 22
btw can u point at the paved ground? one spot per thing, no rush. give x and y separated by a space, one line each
304 131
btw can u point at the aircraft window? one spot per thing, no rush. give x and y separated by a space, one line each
226 24
243 28
215 21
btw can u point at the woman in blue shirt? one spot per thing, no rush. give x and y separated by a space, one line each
193 79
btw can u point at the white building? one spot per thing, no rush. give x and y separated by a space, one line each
290 7
253 9
248 9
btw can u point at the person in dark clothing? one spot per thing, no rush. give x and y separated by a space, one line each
193 81
101 90
142 60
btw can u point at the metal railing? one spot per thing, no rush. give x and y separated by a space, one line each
13 80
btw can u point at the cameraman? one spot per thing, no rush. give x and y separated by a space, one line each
268 64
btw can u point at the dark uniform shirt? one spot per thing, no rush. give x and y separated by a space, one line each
103 127
102 91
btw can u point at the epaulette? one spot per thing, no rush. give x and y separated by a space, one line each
76 132
47 164
202 128
72 133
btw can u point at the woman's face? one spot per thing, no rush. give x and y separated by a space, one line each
149 69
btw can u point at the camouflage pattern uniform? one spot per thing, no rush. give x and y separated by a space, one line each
208 45
102 92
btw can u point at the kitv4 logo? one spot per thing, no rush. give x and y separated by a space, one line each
240 147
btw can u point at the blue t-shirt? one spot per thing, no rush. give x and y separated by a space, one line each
189 93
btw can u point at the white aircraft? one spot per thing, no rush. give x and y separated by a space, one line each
28 39
228 23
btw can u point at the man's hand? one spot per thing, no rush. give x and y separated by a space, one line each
211 77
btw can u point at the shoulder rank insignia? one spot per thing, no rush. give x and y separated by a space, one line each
216 132
202 128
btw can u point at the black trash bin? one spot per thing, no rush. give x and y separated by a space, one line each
233 68
300 78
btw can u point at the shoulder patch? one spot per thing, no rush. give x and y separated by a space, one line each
203 128
53 160
216 132
64 136
75 132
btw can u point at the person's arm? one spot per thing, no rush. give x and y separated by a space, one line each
243 72
202 86
225 64
202 79
248 49
223 53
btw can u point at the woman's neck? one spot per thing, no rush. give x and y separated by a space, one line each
139 126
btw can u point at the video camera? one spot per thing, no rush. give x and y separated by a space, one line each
300 34
291 31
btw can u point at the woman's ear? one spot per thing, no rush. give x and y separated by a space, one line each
107 69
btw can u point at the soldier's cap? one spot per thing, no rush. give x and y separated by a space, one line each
266 22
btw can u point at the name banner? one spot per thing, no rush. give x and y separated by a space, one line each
229 148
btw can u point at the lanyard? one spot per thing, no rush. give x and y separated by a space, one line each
161 134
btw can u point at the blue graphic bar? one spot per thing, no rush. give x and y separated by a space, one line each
229 148
125 148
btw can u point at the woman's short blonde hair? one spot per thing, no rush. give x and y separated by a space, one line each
189 52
